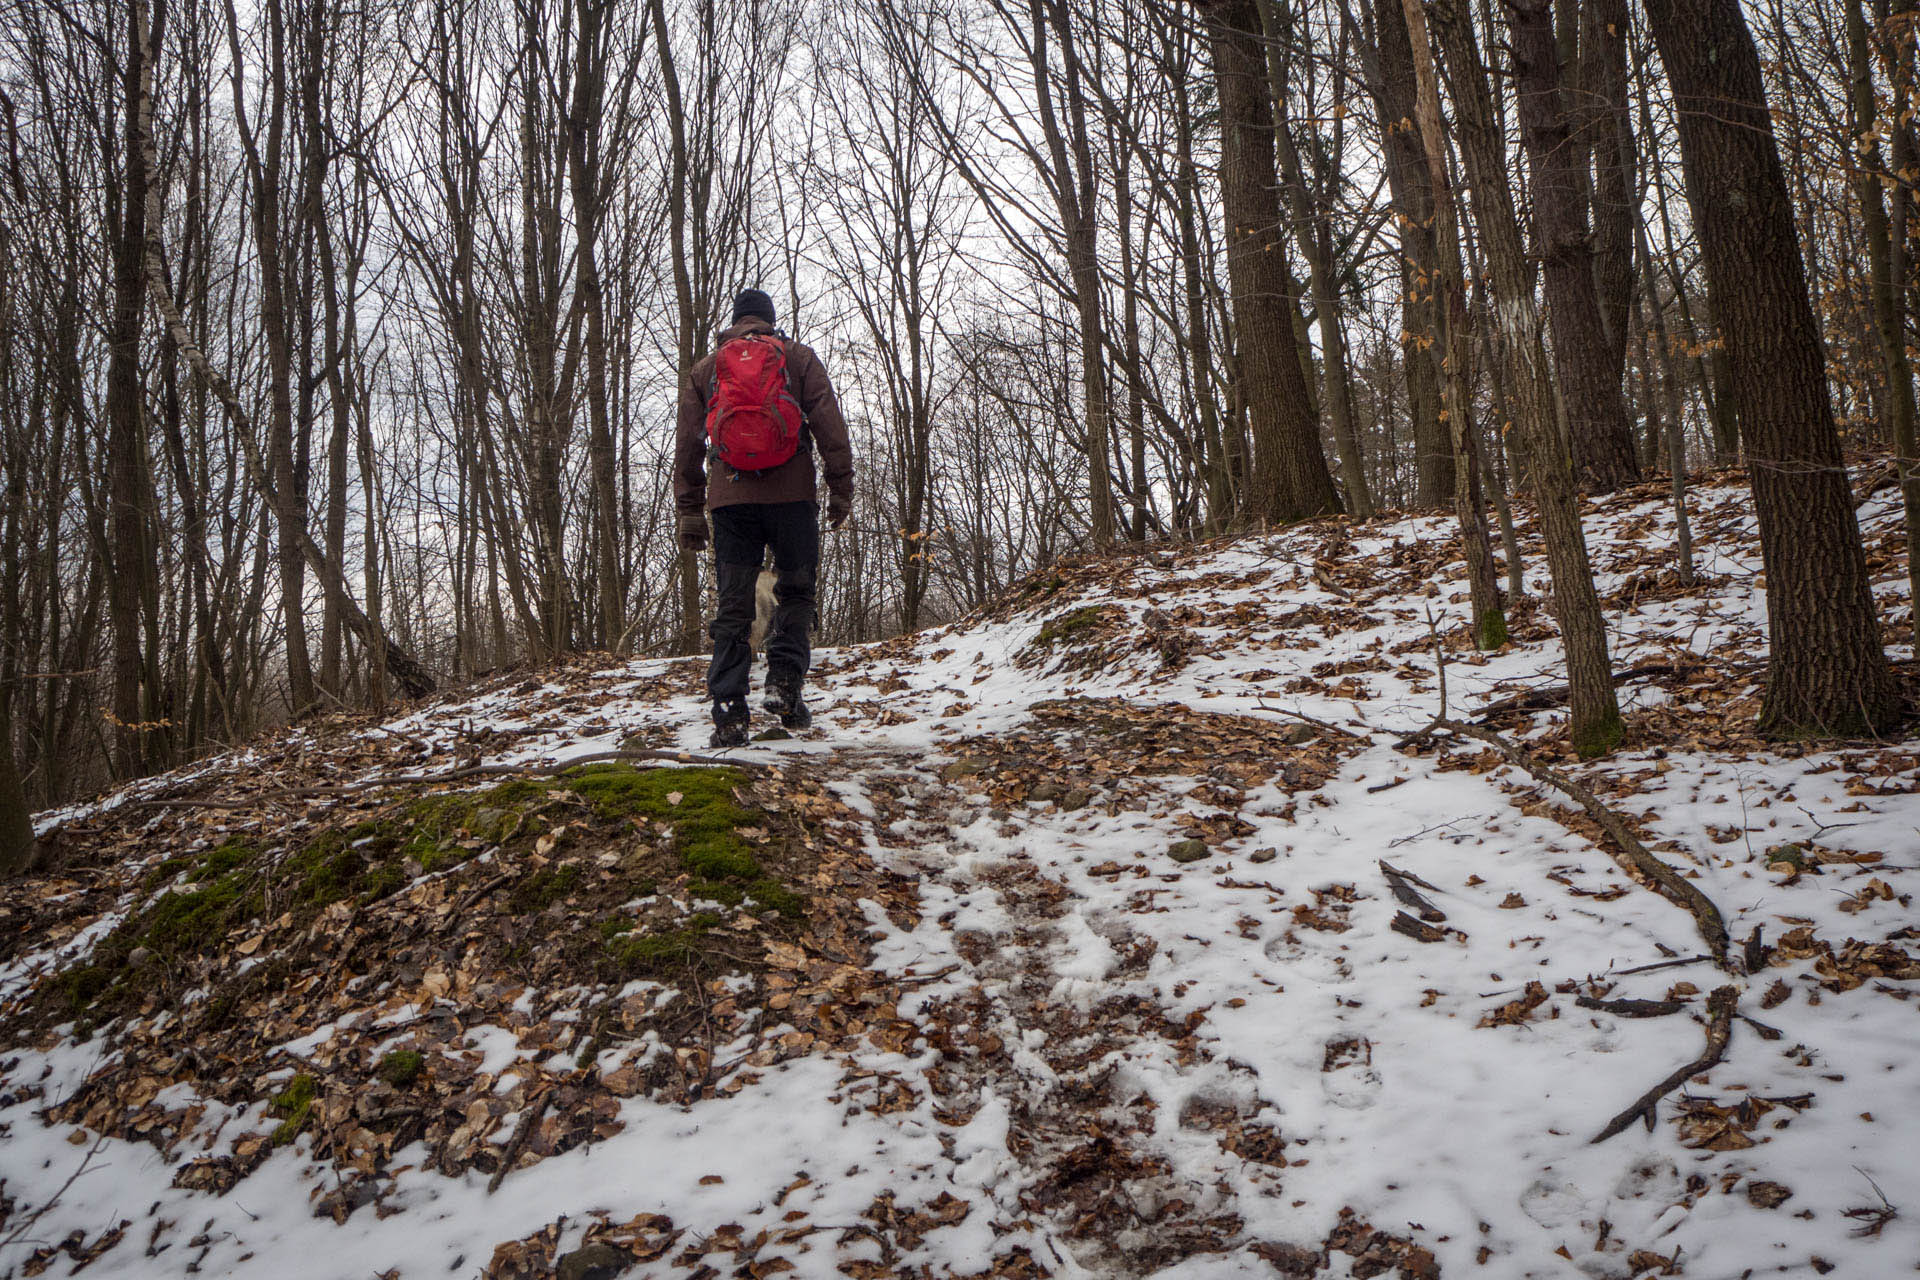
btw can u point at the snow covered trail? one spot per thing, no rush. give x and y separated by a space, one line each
1134 991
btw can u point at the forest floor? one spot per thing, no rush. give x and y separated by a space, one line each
1121 930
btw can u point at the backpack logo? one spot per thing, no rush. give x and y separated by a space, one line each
753 421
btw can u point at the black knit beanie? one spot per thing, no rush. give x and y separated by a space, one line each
752 302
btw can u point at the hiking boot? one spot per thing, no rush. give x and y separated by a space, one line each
783 700
729 724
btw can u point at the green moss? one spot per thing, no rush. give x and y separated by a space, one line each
294 1105
84 985
1067 626
765 891
1490 632
544 888
229 856
699 805
401 1067
1598 738
656 953
193 921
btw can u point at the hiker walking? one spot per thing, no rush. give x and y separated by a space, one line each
755 409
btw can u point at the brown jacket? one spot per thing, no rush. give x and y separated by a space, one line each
792 480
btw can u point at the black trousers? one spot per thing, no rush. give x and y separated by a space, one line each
742 535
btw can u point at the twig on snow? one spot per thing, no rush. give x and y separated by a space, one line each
1707 917
1720 1007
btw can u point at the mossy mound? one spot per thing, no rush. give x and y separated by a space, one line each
204 899
1083 638
576 848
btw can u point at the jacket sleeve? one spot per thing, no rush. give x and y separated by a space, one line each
829 429
690 447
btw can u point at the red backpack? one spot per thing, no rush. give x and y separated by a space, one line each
753 420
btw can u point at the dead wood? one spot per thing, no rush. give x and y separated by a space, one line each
1418 930
1557 695
1399 882
528 1124
1720 1006
1677 888
1633 1008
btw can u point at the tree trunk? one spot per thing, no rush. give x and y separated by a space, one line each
264 179
1290 479
1313 231
1826 672
1074 198
17 845
587 180
1608 130
1450 335
1583 348
1887 258
126 394
1217 477
1594 720
1390 79
690 611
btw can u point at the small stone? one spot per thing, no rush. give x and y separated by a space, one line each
487 822
1190 851
772 735
139 958
1076 799
1048 790
1296 735
965 767
1263 855
593 1262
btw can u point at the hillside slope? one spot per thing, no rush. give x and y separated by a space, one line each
1124 930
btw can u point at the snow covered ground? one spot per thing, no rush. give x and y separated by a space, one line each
1144 1007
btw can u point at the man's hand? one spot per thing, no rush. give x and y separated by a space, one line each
838 509
693 531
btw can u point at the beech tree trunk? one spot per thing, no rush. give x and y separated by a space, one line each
1826 672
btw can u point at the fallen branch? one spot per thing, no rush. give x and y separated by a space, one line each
518 1141
1676 963
1720 1007
1713 928
1556 695
1399 882
1315 721
1633 1008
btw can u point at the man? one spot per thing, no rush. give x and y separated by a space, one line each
756 408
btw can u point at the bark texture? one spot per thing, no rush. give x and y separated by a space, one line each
1826 673
1290 480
